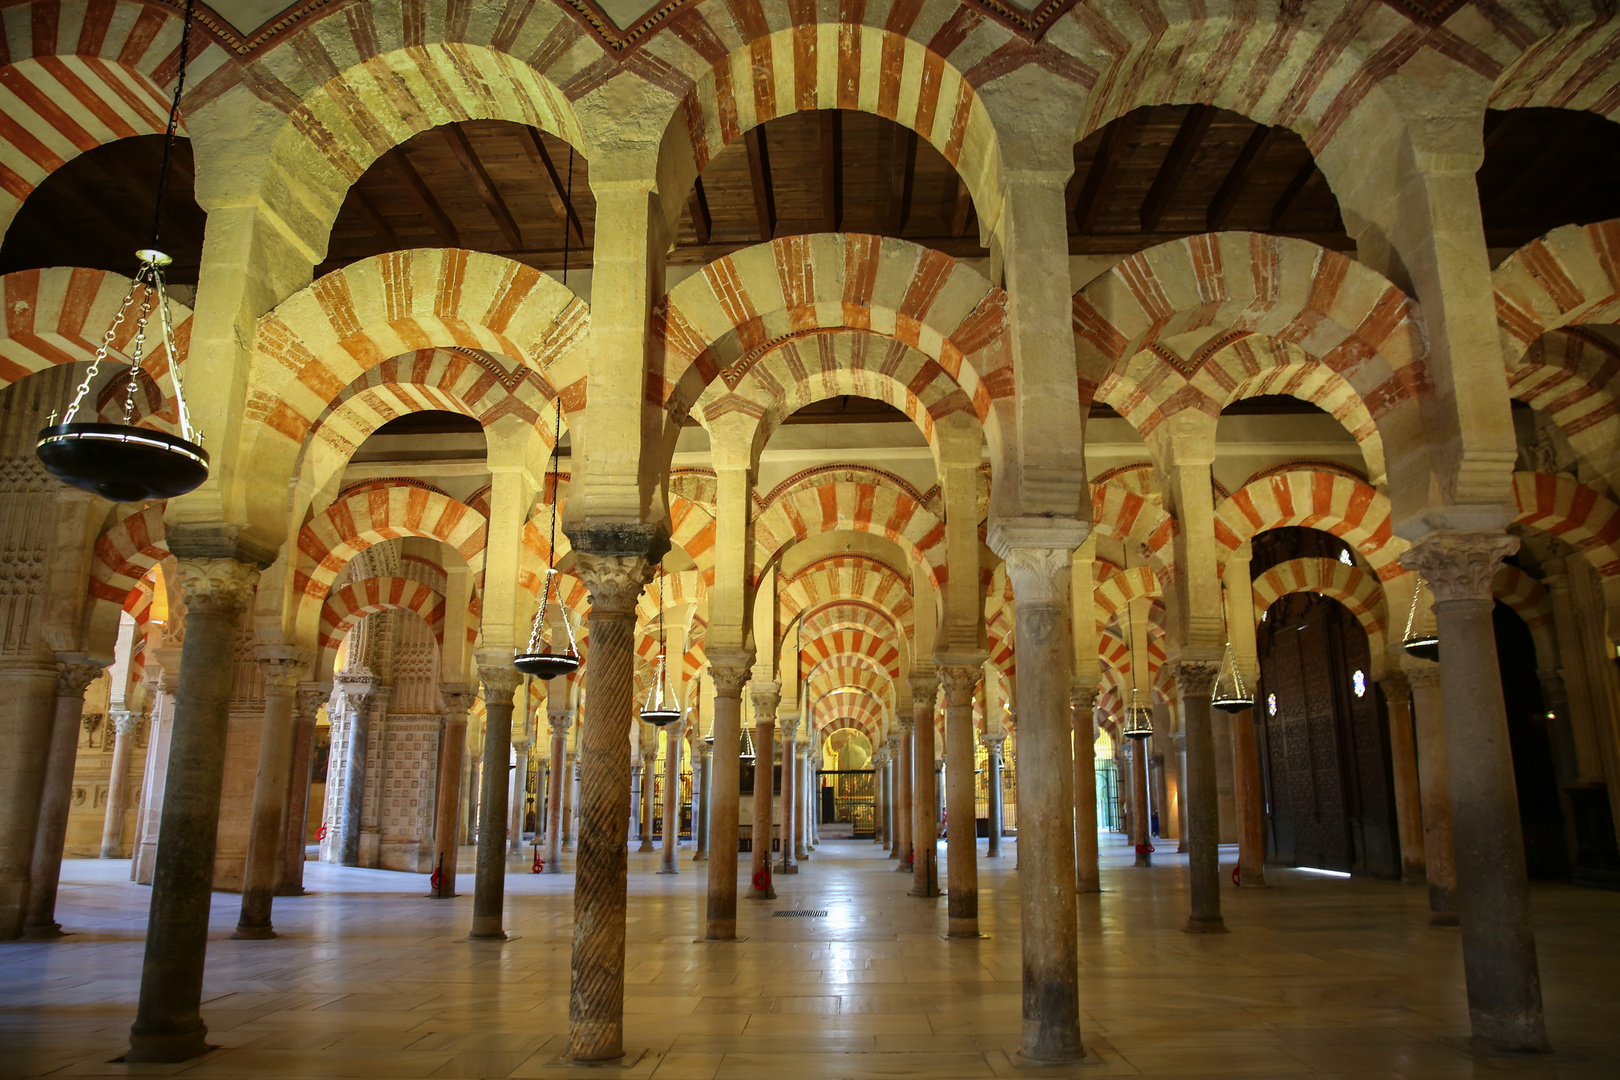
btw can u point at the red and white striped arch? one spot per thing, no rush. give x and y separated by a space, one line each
833 645
1149 331
1317 499
1573 512
850 579
1570 374
716 325
1558 55
1356 589
1122 514
59 315
1568 277
863 507
350 603
124 556
368 516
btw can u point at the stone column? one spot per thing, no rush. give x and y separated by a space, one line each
1195 679
810 834
26 726
500 680
924 796
458 702
1403 764
556 780
1082 718
357 693
700 800
615 580
1036 555
766 697
730 672
1141 812
1439 862
891 776
281 667
570 816
649 768
125 724
168 1021
902 801
1178 742
790 756
56 799
516 805
1493 894
1251 811
161 685
961 827
634 827
308 702
672 797
995 748
878 796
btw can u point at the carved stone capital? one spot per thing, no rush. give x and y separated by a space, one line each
1423 675
729 679
1196 678
217 586
1082 696
993 741
907 723
1395 685
73 679
311 696
614 581
1459 565
282 667
788 726
959 680
562 721
924 685
1039 575
125 722
500 681
766 697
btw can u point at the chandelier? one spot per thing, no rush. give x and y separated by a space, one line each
539 658
124 462
1230 694
656 710
1138 717
1422 638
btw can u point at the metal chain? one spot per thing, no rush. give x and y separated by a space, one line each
101 354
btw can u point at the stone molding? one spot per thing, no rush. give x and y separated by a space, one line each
615 582
1459 565
217 586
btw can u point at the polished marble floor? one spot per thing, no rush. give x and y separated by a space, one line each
1321 977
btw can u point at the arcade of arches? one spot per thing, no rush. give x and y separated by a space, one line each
925 385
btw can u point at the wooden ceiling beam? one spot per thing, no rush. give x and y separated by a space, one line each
1237 177
1189 137
902 173
962 212
557 191
698 203
401 167
375 221
1104 167
1546 155
759 172
832 169
462 148
1296 187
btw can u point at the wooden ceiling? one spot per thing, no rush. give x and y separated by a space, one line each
1156 174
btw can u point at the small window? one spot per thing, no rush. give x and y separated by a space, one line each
1271 704
1358 681
1344 557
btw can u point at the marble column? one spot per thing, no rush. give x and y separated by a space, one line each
672 797
308 701
1178 743
614 578
161 686
517 806
634 827
1141 812
995 749
790 756
281 668
878 796
649 769
458 702
570 816
810 834
168 1020
1082 719
1404 766
902 802
730 672
357 693
26 726
500 681
701 774
1194 680
1440 867
1493 893
961 826
892 775
1251 809
766 697
56 798
924 793
556 780
1036 555
125 724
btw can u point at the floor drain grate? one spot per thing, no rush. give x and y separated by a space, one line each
800 914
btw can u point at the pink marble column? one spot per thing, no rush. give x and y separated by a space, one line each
1082 705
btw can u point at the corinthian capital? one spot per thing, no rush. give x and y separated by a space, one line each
217 586
959 680
1459 565
730 673
1195 677
311 696
282 667
766 697
500 680
458 698
924 685
614 581
1082 695
73 679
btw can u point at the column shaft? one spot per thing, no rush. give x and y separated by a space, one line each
759 882
1082 699
1250 801
703 775
282 669
489 875
902 802
1195 678
1404 766
26 727
924 797
961 829
724 800
1440 864
556 779
458 701
1140 810
56 799
788 864
290 881
672 800
112 828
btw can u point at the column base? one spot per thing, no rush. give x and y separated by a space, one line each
646 846
701 856
43 933
668 870
1216 925
497 936
1445 918
761 894
296 890
167 1049
252 933
926 894
785 868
